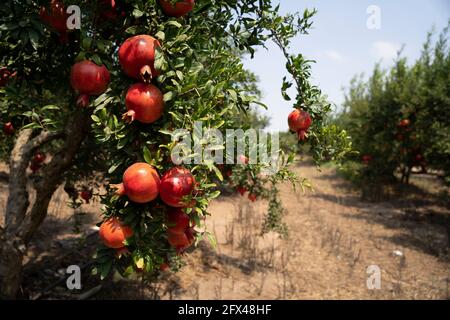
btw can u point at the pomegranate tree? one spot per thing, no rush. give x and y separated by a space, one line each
166 74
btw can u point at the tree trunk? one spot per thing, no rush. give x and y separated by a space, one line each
22 221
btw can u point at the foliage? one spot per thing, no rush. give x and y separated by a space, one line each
202 78
398 116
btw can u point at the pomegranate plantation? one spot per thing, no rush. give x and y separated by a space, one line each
224 149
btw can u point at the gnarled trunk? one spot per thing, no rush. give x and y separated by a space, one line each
21 221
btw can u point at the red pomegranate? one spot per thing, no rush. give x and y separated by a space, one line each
366 159
299 121
241 190
252 197
177 239
137 57
177 183
34 167
113 233
108 9
242 159
177 219
8 128
86 195
190 234
164 266
56 17
5 75
177 10
88 79
39 157
404 123
144 103
140 183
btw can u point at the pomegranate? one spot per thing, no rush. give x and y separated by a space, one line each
144 103
39 157
418 158
177 219
366 159
5 75
399 137
56 17
140 183
34 167
190 234
242 159
177 183
404 123
252 197
108 9
178 9
241 190
86 195
299 121
164 266
137 57
88 79
8 128
177 239
113 233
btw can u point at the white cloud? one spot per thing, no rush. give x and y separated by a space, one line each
335 56
385 50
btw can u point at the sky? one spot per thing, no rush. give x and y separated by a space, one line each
343 45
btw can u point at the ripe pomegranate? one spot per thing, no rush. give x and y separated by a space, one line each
242 159
177 219
190 234
8 128
108 9
137 57
39 157
86 195
252 197
113 233
241 190
140 183
5 75
366 159
404 123
164 266
299 121
144 103
177 239
88 79
177 10
177 183
418 157
34 167
56 17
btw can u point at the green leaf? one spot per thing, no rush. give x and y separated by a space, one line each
147 155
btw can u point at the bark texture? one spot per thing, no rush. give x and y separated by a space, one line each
22 219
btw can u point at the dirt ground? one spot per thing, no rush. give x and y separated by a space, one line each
333 238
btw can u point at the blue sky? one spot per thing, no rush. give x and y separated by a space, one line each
343 46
